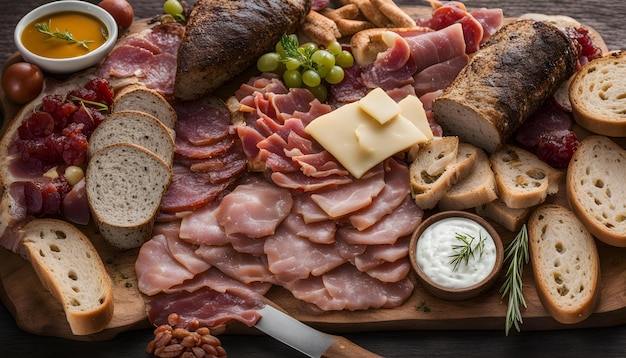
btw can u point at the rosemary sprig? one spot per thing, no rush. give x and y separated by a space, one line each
517 253
100 106
303 54
44 27
465 250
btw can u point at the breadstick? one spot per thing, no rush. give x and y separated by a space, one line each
394 13
349 27
349 12
372 13
320 29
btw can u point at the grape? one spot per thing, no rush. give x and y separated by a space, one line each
311 79
292 78
323 58
308 47
320 92
334 48
292 64
344 59
335 75
173 7
268 62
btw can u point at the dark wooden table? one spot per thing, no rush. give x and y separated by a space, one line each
605 16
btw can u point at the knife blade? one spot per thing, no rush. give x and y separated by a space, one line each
304 338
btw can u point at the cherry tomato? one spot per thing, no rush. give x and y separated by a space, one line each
22 82
121 10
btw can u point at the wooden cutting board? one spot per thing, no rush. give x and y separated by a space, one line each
36 311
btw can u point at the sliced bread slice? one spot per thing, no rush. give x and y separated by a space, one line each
478 188
69 266
523 180
565 262
137 128
439 165
595 188
497 211
137 97
125 184
597 93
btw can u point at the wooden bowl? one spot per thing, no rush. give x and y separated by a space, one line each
453 289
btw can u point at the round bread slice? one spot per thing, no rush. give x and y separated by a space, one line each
597 94
69 266
595 188
138 97
134 127
565 262
125 184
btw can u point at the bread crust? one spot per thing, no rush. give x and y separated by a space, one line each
566 264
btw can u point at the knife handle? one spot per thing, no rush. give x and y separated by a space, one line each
343 347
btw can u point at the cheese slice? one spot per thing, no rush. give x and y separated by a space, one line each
358 141
413 109
379 105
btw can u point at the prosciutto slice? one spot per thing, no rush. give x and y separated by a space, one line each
240 266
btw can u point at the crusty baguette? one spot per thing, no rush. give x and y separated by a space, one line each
125 184
523 180
498 89
597 95
497 211
69 266
138 97
478 188
595 188
134 127
438 166
565 262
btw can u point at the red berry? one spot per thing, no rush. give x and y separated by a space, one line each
557 147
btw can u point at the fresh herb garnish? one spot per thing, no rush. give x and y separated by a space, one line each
466 249
44 27
301 54
517 253
100 106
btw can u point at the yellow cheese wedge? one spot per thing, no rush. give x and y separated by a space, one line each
379 105
413 109
358 141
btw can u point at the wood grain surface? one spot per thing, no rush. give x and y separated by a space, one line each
480 321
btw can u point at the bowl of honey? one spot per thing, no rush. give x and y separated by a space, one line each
64 37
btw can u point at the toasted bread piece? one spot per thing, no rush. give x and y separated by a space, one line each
595 188
597 95
497 211
438 166
565 262
125 184
523 180
478 188
137 97
69 266
137 128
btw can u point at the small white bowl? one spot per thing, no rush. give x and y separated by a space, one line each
73 64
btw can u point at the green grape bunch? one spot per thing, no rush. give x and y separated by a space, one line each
307 65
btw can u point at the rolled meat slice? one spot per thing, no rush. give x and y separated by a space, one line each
505 82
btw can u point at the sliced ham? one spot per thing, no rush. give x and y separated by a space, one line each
321 232
438 76
216 280
240 266
391 271
184 254
201 227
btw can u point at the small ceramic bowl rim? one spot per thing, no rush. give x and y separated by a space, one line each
463 293
73 64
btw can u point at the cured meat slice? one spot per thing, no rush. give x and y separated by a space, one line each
216 280
202 122
376 255
438 76
291 257
321 232
254 209
157 269
301 182
189 150
184 254
210 308
201 227
403 221
243 267
391 271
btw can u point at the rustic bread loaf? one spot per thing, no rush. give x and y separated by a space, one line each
478 188
438 166
597 94
523 180
565 262
137 97
137 128
500 87
497 211
69 266
125 184
595 188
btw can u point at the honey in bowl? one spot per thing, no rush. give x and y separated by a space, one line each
69 34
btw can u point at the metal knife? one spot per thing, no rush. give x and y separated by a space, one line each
306 339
